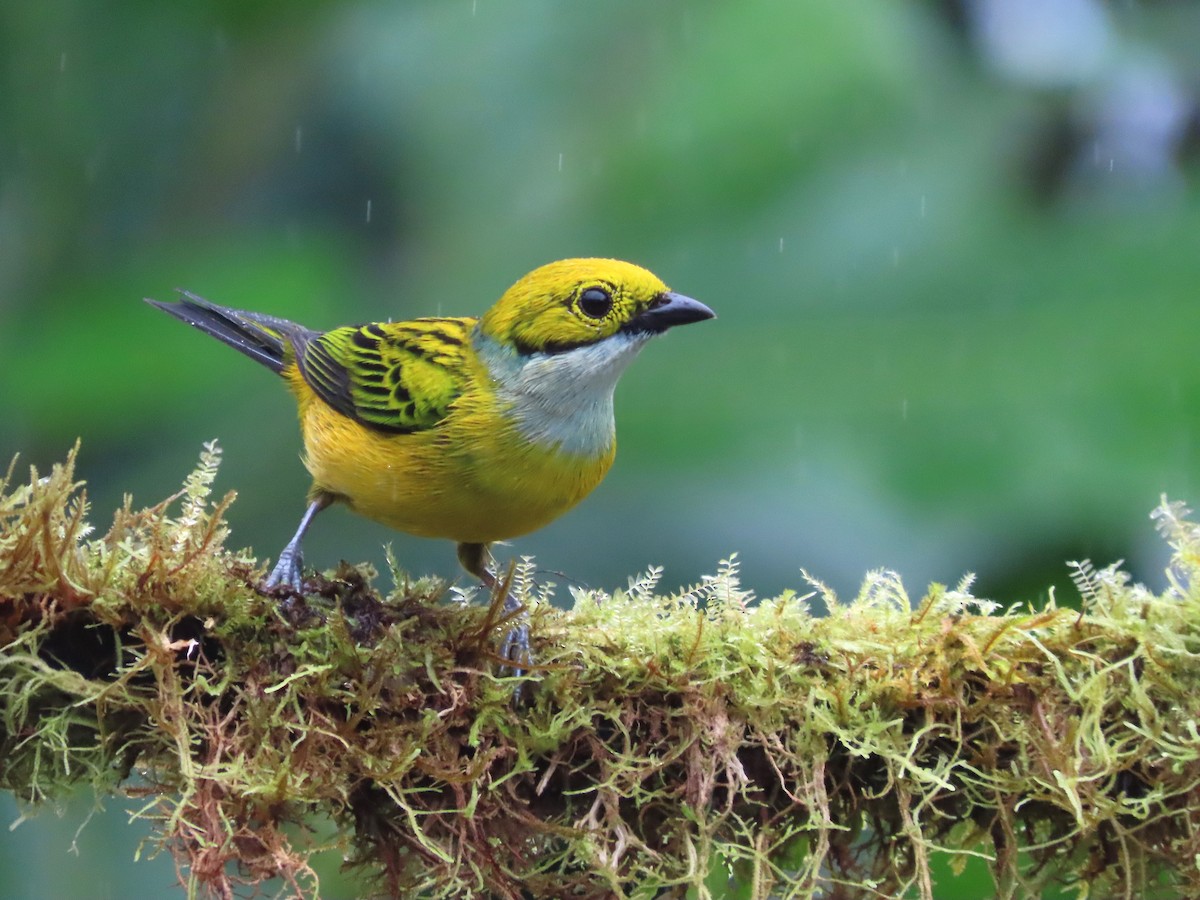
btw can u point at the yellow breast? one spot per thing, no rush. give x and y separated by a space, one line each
473 478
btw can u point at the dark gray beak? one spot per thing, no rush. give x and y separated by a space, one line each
667 311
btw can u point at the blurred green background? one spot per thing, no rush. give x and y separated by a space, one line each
954 248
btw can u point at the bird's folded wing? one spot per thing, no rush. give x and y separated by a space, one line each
397 377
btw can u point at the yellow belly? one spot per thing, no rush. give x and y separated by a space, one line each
472 478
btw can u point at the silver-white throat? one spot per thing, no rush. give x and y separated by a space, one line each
563 400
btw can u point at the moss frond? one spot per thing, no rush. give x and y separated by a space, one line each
665 744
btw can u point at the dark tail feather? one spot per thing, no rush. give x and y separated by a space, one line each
262 338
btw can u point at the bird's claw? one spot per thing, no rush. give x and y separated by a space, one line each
288 571
515 648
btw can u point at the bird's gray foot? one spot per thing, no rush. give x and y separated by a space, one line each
288 571
514 649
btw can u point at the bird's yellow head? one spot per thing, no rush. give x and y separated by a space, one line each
575 302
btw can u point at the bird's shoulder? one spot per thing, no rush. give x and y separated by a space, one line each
393 376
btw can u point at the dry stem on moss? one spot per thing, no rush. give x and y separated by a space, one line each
668 742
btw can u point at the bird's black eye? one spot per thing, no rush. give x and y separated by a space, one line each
595 302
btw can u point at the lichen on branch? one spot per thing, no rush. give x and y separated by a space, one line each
664 743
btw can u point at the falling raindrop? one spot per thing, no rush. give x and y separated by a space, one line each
560 162
781 245
904 409
368 212
299 141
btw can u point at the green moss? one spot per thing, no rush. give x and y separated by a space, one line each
664 743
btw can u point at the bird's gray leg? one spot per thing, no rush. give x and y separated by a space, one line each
288 570
477 560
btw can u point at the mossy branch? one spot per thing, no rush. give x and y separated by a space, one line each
664 743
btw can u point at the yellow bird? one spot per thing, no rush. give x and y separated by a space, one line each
472 429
